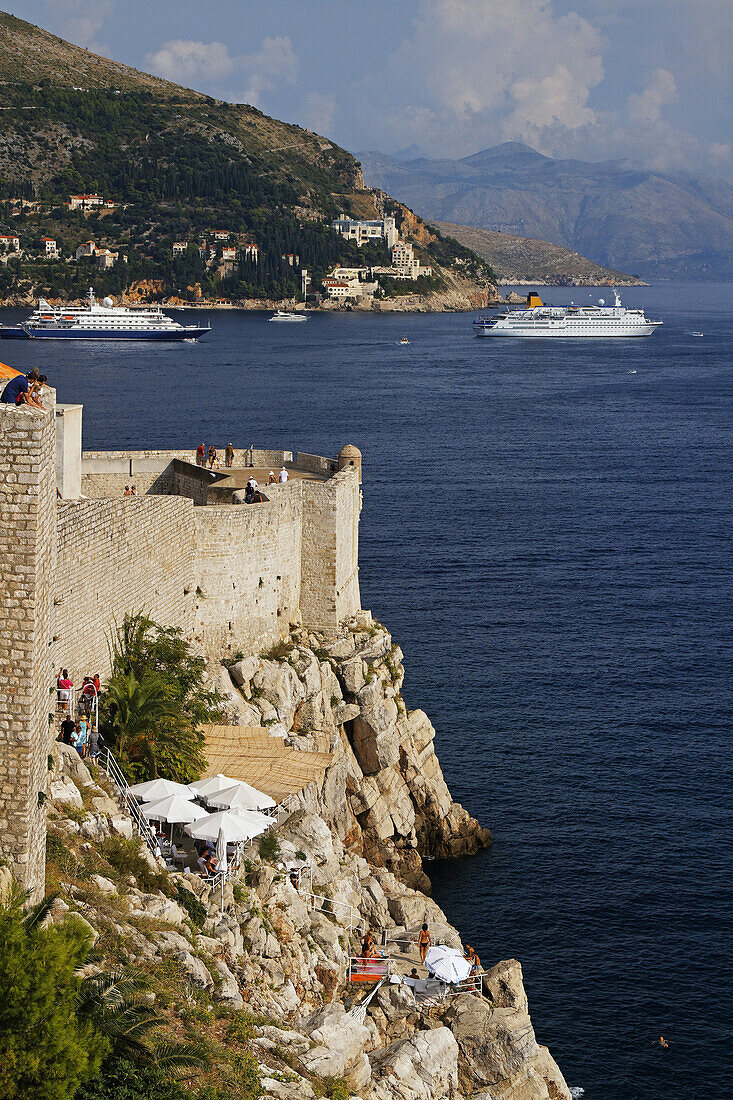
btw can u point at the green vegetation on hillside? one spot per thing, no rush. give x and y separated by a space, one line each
172 166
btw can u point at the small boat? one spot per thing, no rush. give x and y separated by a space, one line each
404 340
283 315
697 334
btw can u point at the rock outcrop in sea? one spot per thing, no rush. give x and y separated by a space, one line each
381 806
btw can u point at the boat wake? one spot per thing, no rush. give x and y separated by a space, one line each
577 1092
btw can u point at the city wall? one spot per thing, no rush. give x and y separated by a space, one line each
76 556
27 566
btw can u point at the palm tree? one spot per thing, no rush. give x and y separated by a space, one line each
114 1002
134 708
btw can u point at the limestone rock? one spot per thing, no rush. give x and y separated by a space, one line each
64 790
72 766
104 884
341 1041
423 1067
243 671
228 987
196 971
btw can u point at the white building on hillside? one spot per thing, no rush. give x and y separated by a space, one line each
179 247
84 202
364 231
9 242
50 246
404 262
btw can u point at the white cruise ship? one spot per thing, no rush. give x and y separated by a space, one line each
105 322
539 320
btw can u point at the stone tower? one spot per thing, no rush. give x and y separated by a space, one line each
27 551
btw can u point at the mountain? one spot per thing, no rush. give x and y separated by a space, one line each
657 225
174 166
524 260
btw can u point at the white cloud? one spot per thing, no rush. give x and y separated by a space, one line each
80 21
659 92
184 60
274 64
208 64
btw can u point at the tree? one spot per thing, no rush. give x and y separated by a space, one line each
155 702
46 1049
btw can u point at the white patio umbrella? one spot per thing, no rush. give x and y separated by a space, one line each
236 827
202 788
447 964
241 797
155 789
174 810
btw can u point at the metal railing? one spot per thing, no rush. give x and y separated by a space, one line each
321 904
472 984
390 935
117 776
73 704
368 970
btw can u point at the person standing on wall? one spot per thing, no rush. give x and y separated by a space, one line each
229 455
283 475
212 457
424 941
201 455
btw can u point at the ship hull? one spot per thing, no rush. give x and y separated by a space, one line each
563 334
175 336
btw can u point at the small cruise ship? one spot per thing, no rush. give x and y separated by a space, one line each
105 322
539 320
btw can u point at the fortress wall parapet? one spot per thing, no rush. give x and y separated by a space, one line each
330 553
27 553
115 557
248 571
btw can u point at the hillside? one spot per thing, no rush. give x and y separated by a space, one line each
652 224
524 260
247 200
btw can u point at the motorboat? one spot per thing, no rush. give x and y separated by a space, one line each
284 315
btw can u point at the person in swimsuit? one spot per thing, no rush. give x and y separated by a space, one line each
424 941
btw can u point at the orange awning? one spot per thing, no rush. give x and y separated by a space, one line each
8 372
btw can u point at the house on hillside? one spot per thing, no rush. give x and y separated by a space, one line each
292 258
84 202
364 231
404 262
106 259
49 246
84 251
179 247
250 252
9 242
221 234
229 253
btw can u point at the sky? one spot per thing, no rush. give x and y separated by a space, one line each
645 80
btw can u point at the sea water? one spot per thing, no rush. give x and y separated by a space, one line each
547 532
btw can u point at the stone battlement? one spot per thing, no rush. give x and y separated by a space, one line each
186 550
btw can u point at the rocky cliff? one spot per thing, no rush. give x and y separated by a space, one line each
276 956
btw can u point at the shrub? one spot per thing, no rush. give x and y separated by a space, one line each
197 912
246 1072
269 846
125 857
125 1081
46 1049
241 1028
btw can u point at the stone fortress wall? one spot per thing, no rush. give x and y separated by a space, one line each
27 571
232 576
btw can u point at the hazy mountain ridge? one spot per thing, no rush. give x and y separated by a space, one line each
650 223
524 260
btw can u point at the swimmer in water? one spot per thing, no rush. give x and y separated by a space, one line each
662 1042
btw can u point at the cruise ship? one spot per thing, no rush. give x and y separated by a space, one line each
539 320
105 322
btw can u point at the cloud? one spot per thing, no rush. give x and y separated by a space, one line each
488 70
209 64
185 61
80 21
274 64
660 91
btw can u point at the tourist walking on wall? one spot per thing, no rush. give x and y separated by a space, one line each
229 454
283 475
201 455
64 686
271 479
423 943
212 457
68 731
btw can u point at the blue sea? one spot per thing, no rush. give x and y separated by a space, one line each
547 532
